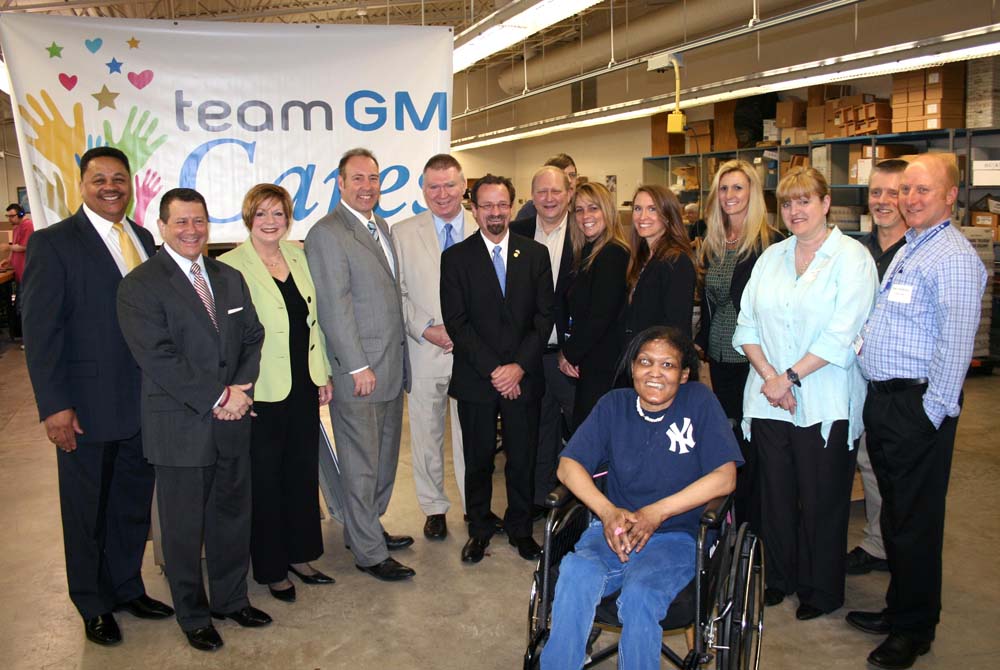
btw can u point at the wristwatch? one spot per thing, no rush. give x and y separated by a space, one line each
793 377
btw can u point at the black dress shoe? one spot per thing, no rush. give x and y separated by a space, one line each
248 617
394 542
204 639
103 629
806 611
898 652
527 548
860 562
389 570
475 549
316 577
436 527
145 607
773 597
869 622
284 595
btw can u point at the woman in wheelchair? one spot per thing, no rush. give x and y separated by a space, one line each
669 449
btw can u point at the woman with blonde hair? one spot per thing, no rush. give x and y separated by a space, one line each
661 272
806 301
594 300
736 234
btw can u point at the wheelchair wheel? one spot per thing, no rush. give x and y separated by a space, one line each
536 627
741 606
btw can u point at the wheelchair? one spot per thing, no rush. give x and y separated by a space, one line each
722 607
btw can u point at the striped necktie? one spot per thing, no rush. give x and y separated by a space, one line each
129 253
201 288
373 229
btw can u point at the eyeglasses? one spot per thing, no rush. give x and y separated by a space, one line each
490 206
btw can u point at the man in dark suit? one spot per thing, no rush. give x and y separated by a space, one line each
360 308
87 390
190 323
553 227
496 301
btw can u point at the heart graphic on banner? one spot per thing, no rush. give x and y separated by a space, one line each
68 81
140 79
94 45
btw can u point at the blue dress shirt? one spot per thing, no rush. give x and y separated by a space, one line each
926 315
821 313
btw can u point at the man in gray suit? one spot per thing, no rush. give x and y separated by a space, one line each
360 311
193 330
419 242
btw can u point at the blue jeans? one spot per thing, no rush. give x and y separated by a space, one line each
648 582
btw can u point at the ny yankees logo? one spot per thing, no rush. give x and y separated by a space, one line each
681 437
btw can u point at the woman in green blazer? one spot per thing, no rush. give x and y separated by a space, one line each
294 381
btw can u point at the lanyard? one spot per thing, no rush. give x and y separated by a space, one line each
911 248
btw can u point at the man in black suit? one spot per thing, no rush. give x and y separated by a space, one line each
553 227
87 390
496 301
192 328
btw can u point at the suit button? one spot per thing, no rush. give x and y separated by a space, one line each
313 323
222 364
311 347
309 299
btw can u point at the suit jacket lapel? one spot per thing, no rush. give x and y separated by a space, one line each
185 290
480 251
149 248
255 267
364 237
96 248
428 235
221 290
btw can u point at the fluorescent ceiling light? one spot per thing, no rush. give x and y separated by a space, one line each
787 78
510 25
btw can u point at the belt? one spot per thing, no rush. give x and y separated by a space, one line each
893 385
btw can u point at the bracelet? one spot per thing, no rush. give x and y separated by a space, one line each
225 397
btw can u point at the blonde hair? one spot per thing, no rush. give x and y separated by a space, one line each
613 233
802 182
756 233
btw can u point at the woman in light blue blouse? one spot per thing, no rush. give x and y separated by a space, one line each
799 319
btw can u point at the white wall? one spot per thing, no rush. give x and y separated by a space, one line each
612 149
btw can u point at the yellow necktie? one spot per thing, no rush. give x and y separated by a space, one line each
129 253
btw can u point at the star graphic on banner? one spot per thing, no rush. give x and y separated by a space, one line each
114 65
105 98
55 51
132 43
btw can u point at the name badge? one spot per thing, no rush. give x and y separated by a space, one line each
901 293
859 342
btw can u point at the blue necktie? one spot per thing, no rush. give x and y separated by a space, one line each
373 230
500 269
448 241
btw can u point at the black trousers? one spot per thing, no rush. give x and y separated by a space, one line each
556 415
591 385
805 504
284 458
212 505
728 382
520 439
105 491
912 463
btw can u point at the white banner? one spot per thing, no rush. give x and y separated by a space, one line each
220 107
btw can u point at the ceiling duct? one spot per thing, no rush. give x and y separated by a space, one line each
651 32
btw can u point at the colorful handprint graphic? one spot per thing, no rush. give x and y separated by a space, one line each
59 143
144 193
133 141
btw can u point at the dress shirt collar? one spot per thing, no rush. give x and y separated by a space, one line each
358 215
912 234
184 264
503 244
828 247
540 232
457 224
102 225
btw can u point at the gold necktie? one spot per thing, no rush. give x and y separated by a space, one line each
129 253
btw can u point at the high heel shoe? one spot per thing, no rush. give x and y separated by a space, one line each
316 577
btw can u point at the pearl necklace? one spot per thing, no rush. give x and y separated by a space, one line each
638 408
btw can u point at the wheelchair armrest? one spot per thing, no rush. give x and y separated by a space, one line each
558 497
715 511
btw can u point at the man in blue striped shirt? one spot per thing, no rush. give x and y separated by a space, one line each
915 350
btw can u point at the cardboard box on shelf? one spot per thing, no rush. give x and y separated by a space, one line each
986 173
988 203
914 124
770 131
885 151
820 93
663 143
900 112
898 125
877 110
687 176
914 95
873 127
724 114
949 74
943 108
793 136
820 158
900 81
899 98
914 110
954 93
987 220
863 171
816 118
790 114
939 122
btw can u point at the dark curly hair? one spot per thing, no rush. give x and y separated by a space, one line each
672 336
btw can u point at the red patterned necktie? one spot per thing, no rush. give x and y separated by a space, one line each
201 288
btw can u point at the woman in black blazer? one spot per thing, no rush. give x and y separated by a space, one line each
736 234
595 297
661 273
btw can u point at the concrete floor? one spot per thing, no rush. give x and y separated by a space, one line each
451 616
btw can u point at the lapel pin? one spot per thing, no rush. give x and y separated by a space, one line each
517 252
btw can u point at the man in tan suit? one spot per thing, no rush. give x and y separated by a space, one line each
419 242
